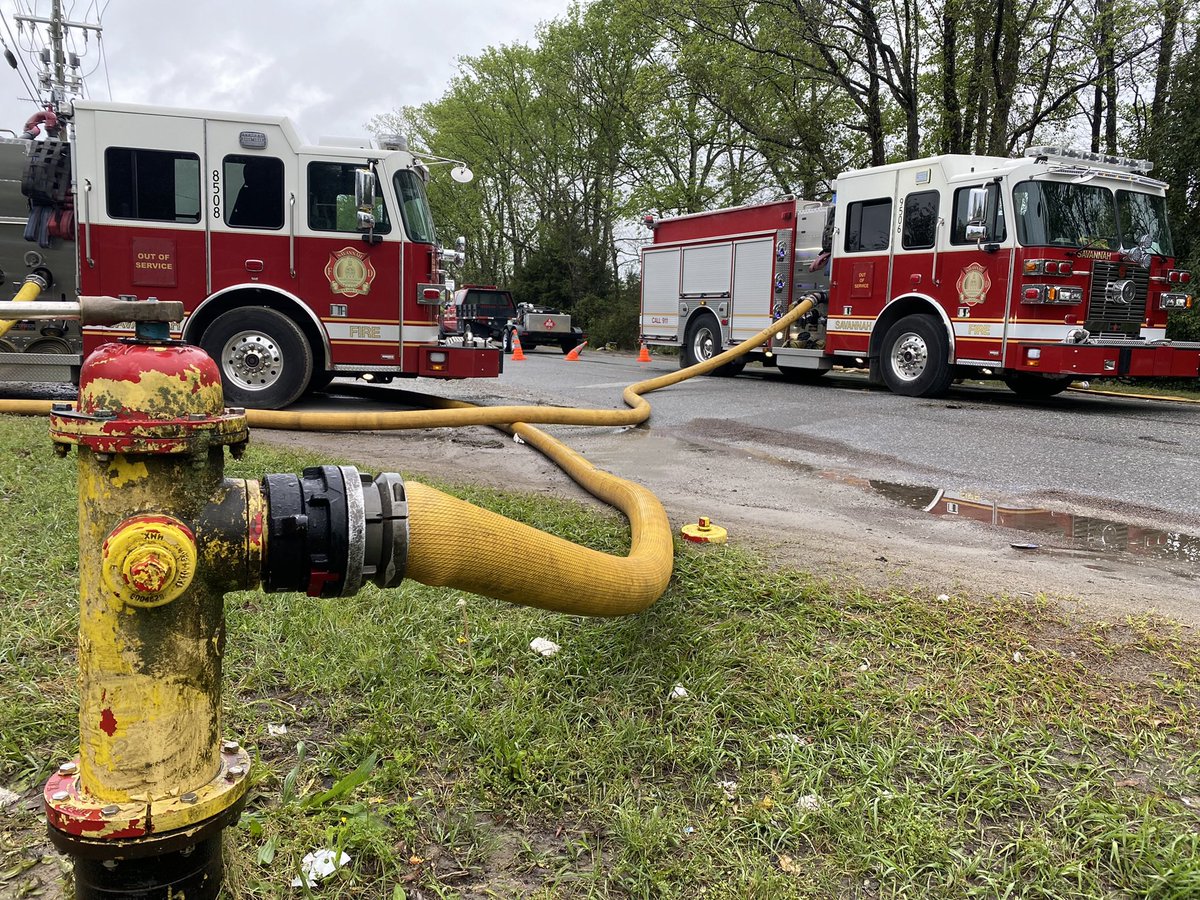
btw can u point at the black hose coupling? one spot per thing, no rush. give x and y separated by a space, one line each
333 527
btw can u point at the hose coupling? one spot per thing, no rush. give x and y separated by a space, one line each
333 527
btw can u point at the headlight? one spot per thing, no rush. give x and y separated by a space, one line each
1175 301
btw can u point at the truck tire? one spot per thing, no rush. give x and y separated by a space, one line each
701 341
1035 386
264 357
568 344
916 358
508 340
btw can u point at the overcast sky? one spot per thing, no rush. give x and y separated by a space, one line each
328 65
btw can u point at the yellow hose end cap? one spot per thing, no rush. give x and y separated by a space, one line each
705 532
149 560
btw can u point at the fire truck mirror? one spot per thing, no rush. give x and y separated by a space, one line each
364 195
977 214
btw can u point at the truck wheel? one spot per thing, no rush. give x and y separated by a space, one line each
701 342
508 341
264 358
1035 386
916 358
568 345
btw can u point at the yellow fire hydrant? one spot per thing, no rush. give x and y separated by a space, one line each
163 535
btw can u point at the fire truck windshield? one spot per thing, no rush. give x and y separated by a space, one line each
414 207
1067 214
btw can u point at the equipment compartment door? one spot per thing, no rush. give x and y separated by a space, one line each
753 287
660 294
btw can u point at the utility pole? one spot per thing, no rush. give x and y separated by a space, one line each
56 80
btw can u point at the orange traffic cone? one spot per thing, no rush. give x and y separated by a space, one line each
573 356
518 355
644 356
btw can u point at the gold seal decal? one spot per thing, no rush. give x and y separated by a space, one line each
350 272
973 285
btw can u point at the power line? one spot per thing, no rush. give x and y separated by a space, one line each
30 85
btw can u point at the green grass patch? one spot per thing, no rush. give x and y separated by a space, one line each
832 743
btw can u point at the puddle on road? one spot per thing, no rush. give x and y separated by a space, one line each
1106 537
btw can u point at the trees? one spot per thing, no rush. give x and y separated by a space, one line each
627 106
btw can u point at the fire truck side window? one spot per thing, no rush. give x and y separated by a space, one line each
254 191
868 225
160 185
920 220
958 235
331 199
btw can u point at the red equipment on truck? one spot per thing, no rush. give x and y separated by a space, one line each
295 263
1038 270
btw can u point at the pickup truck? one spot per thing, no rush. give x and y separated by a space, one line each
489 313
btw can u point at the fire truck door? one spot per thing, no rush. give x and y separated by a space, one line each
251 185
143 206
351 279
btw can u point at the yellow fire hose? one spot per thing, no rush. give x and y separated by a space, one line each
30 290
456 544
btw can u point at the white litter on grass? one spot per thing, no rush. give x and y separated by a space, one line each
865 665
276 729
728 788
679 692
942 598
809 803
1018 657
7 797
544 647
317 865
787 738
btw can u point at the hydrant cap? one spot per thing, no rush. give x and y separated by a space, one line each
157 381
149 398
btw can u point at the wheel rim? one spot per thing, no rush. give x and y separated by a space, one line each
910 355
252 360
703 343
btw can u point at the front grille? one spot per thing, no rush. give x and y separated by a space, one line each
1107 316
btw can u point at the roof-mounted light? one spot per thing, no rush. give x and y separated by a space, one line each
1108 161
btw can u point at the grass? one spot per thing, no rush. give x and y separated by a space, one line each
833 742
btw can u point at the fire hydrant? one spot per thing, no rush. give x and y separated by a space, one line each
163 535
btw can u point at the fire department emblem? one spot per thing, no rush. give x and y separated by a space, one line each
973 285
350 272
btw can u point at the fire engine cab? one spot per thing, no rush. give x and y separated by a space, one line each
295 263
1038 270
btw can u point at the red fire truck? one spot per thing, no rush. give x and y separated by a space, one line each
1038 270
295 263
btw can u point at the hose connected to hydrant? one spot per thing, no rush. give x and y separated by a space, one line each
164 535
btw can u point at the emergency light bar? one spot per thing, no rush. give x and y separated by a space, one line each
1123 163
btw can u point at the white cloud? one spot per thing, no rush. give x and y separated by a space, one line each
330 66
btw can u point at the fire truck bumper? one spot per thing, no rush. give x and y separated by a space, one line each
1144 361
459 362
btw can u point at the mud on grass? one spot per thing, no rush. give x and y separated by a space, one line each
832 743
